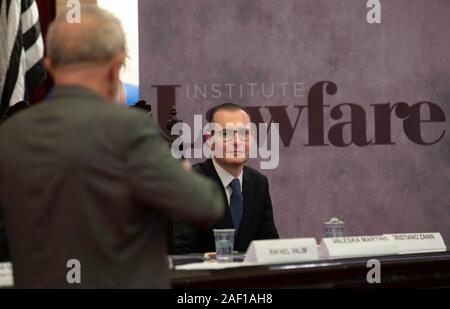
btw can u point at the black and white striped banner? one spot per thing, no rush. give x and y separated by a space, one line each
21 51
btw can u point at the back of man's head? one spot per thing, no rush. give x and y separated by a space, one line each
96 39
88 54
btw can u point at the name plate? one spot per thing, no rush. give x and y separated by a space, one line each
6 275
357 246
282 251
418 242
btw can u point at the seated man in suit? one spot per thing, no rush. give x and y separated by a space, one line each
244 190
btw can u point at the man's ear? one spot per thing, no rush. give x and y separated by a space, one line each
115 67
208 140
49 66
206 137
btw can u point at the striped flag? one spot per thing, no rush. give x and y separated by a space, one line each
21 51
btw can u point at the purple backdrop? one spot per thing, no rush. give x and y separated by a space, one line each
276 51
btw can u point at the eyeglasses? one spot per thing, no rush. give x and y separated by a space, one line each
228 134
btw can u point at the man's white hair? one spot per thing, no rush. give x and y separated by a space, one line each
97 39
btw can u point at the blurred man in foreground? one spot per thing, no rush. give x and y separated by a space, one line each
85 180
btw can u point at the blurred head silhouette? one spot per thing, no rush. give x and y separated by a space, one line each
89 54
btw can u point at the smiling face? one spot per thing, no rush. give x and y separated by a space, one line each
232 140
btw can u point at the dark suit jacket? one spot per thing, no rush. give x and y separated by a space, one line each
81 178
257 218
4 254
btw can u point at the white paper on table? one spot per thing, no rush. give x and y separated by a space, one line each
6 275
280 251
213 265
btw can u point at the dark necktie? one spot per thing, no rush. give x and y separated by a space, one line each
236 203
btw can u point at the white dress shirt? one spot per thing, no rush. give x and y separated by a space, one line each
226 178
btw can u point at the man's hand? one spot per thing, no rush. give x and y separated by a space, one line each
187 165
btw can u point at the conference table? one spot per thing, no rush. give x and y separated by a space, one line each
424 270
